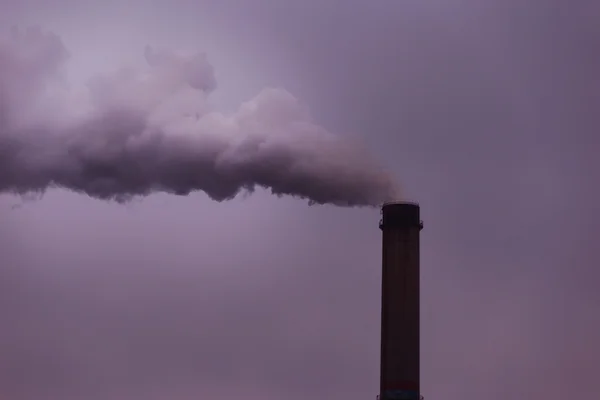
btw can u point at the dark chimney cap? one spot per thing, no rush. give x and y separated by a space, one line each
400 215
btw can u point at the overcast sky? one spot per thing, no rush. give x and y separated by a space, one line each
485 111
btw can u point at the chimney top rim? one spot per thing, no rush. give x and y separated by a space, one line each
403 202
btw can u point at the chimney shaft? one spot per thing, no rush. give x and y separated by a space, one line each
401 226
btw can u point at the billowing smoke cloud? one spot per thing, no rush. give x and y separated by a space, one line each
132 133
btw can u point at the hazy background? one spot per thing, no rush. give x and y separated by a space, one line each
487 111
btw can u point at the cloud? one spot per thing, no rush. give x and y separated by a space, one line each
136 132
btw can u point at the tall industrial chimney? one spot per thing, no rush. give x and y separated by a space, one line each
401 226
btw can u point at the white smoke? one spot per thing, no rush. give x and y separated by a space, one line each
132 133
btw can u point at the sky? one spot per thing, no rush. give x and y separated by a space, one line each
485 113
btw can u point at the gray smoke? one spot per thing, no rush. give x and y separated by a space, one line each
132 133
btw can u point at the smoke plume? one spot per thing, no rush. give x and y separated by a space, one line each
132 133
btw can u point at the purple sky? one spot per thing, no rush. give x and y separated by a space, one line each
484 110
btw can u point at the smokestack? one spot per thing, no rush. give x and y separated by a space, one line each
401 226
